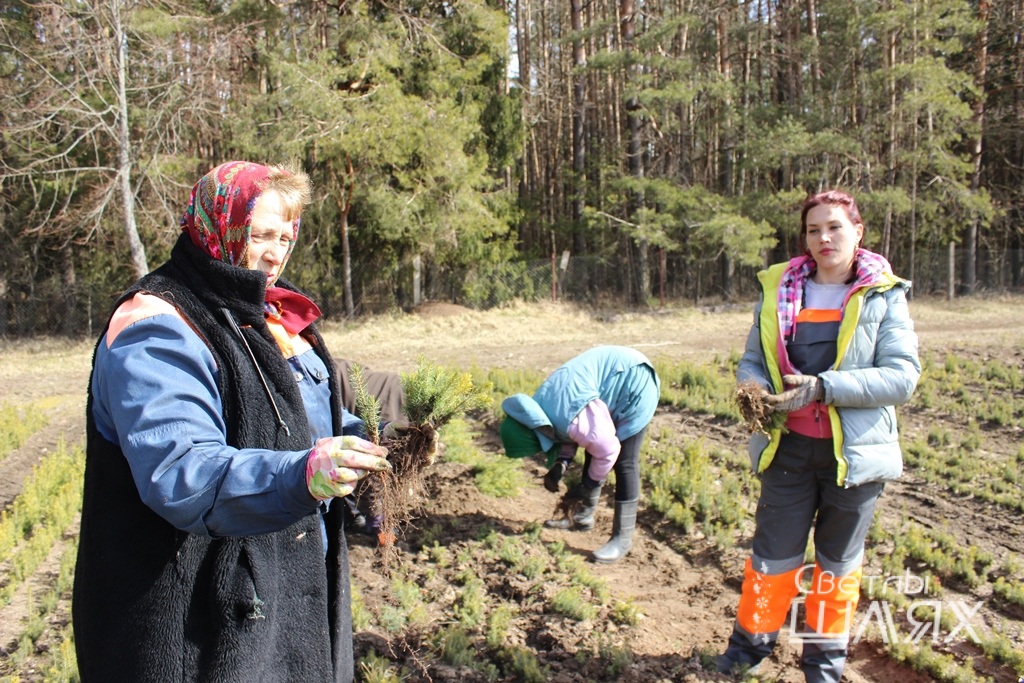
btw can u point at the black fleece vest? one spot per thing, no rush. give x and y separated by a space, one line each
153 603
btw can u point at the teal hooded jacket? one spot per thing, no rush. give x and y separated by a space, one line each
623 378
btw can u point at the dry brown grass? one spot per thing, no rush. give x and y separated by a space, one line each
540 336
982 320
32 369
44 354
537 336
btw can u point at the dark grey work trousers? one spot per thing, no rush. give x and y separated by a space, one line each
627 468
798 491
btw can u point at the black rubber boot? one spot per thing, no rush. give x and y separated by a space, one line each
823 663
743 656
622 533
583 519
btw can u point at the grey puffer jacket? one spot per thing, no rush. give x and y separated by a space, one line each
877 368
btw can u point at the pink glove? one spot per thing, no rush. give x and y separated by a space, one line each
336 463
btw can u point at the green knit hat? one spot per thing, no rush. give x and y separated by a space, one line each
518 439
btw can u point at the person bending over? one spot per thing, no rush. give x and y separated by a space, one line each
602 400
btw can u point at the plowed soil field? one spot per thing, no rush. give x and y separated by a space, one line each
480 591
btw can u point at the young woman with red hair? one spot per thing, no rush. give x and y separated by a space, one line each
833 347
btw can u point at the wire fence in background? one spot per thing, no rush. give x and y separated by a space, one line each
49 309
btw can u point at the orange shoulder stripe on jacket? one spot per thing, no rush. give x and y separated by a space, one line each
139 307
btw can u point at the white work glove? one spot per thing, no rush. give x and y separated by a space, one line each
336 463
805 390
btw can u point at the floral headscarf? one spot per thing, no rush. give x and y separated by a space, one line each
219 213
219 221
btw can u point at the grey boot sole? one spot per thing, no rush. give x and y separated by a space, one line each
612 551
567 525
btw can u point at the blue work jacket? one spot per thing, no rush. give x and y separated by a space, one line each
623 378
155 393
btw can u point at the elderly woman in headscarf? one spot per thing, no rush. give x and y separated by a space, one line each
209 550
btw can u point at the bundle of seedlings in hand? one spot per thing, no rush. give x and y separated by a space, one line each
433 396
370 488
755 411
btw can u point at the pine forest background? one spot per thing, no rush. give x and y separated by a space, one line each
622 152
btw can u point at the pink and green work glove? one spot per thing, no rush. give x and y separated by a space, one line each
336 463
401 428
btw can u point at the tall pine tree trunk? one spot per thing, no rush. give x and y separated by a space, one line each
136 250
346 264
970 282
523 53
726 145
634 152
579 149
68 293
891 141
343 200
812 30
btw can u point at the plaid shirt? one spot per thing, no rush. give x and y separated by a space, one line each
869 266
